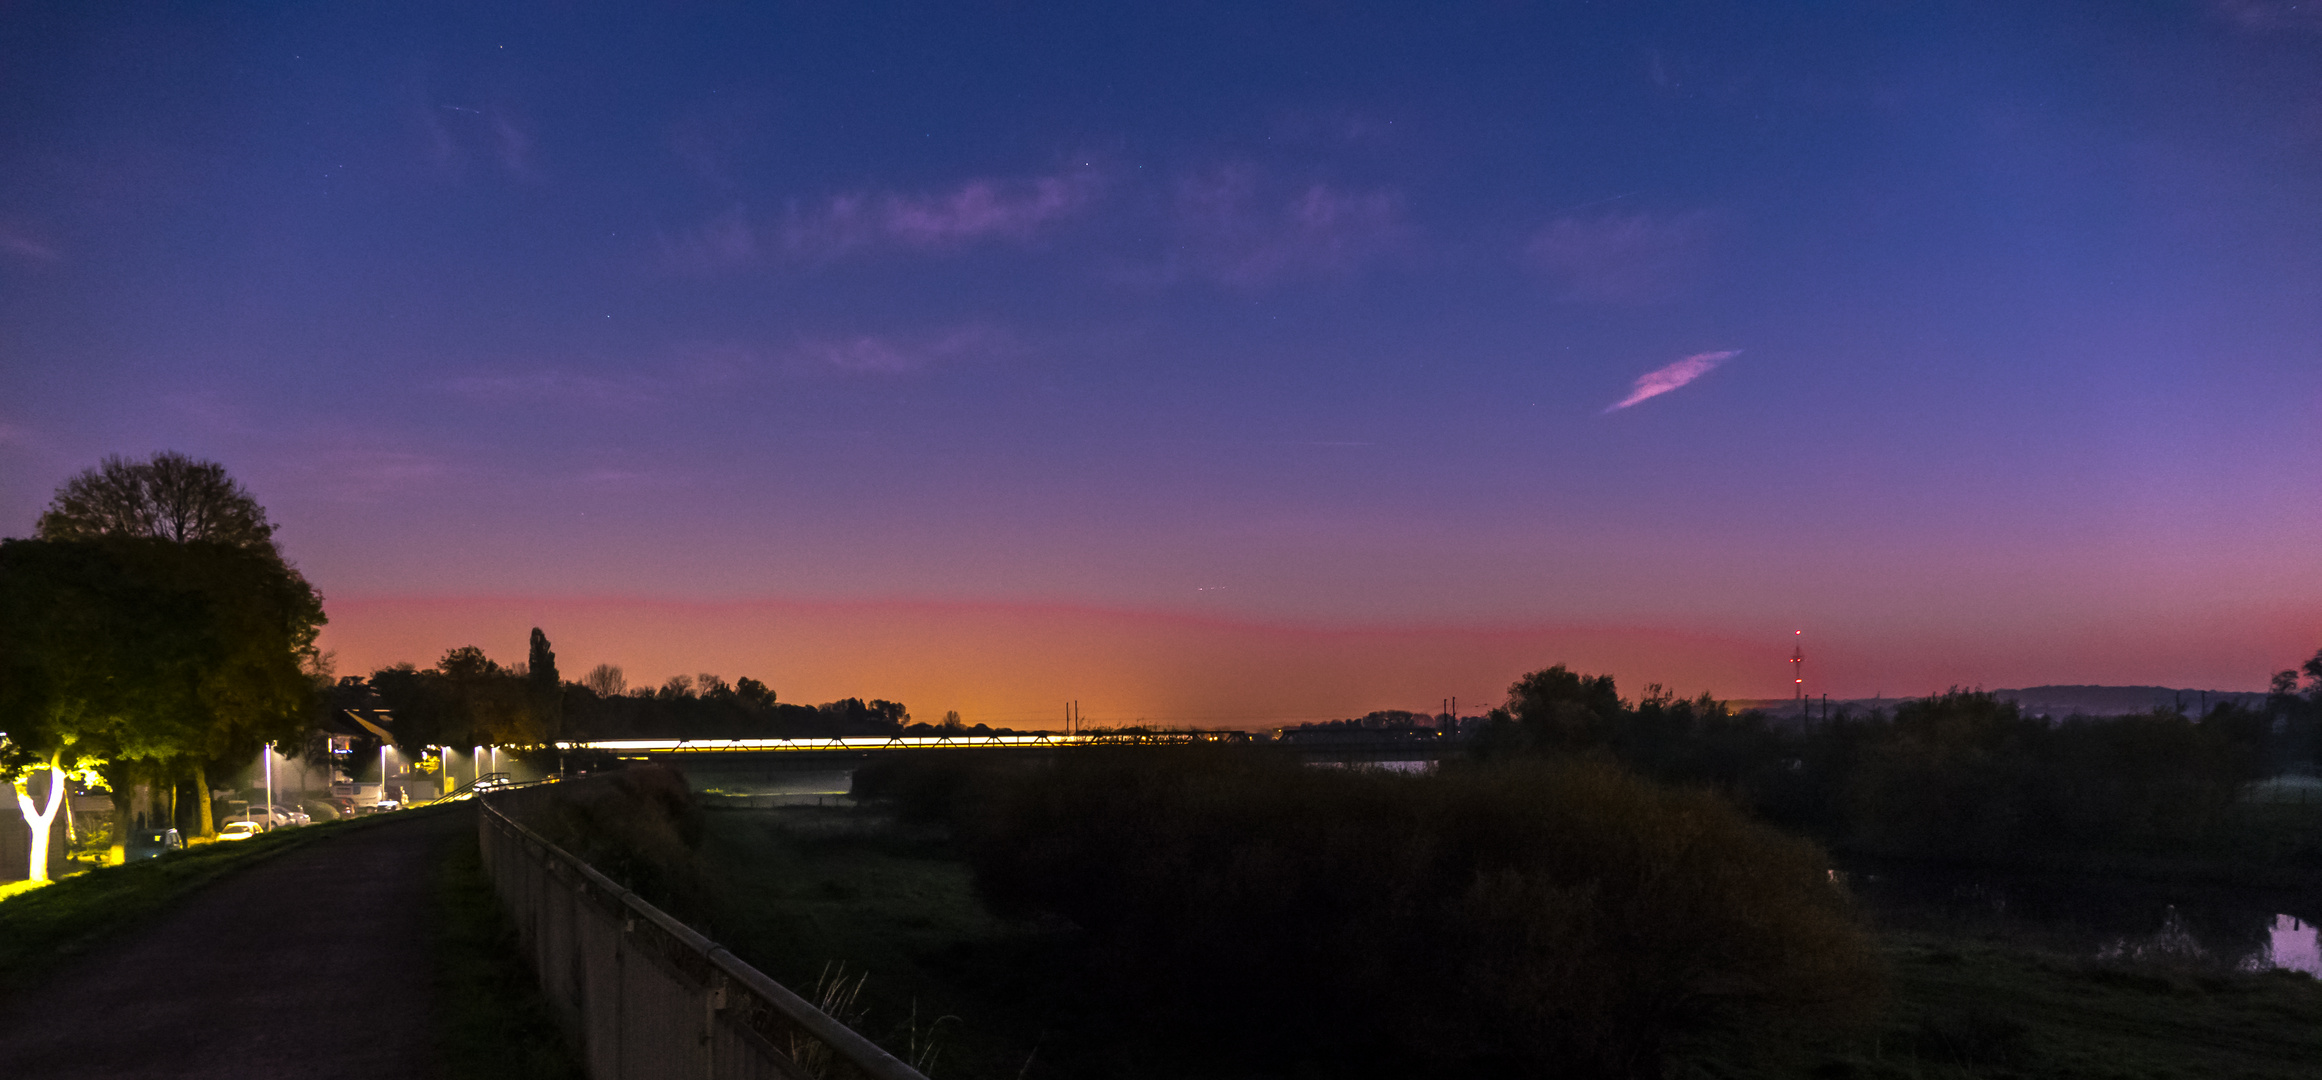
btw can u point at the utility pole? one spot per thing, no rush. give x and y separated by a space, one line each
1798 675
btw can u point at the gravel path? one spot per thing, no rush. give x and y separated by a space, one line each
314 964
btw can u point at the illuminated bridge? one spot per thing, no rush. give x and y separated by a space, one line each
1354 745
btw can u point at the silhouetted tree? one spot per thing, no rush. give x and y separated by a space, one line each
1560 709
606 680
181 500
167 497
547 690
157 657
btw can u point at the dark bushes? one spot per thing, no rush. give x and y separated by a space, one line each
639 826
1958 777
1559 917
935 785
1966 777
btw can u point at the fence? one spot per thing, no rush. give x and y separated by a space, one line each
646 996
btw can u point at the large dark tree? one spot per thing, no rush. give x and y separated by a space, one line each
214 539
168 497
157 657
1562 709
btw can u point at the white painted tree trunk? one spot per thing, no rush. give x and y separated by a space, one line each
40 821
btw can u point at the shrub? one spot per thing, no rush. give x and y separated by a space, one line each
927 786
638 826
1559 916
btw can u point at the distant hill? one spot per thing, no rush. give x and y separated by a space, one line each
2056 701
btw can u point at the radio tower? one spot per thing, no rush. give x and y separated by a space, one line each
1798 673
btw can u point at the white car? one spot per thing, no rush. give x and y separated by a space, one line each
239 830
275 817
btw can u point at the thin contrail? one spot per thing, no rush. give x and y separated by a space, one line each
1662 380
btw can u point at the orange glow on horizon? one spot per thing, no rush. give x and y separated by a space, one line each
1015 664
1012 664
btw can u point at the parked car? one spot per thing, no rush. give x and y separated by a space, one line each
150 843
384 805
239 830
273 817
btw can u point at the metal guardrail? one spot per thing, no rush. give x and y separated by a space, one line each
647 996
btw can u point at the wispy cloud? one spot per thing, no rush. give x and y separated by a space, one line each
1014 211
1619 258
726 242
1660 381
458 135
1335 128
716 138
551 386
366 474
1239 231
875 354
22 244
2271 14
1017 211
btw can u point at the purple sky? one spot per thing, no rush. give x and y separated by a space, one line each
1287 320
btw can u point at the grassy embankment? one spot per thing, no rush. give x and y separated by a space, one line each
490 1015
808 888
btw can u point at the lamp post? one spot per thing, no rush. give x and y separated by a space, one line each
266 758
382 776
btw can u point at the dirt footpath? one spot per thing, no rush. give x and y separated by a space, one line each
315 964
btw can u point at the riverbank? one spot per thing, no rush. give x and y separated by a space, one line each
807 892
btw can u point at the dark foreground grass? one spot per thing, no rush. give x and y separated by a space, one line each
1971 1009
43 925
808 888
490 1015
816 895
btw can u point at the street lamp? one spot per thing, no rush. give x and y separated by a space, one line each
382 775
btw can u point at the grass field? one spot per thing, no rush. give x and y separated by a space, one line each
806 891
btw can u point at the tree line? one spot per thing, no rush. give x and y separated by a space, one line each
1959 776
468 699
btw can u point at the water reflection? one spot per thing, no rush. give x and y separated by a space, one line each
2293 947
2106 919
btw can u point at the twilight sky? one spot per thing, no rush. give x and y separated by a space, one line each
1222 363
